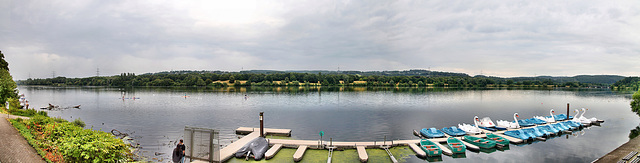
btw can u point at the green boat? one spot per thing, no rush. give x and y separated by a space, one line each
500 141
480 142
430 148
456 145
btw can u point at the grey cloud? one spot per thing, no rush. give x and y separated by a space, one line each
505 38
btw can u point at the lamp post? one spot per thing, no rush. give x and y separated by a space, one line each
261 124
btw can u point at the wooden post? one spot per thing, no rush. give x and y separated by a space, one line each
261 124
567 111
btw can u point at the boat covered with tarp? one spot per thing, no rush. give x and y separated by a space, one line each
255 148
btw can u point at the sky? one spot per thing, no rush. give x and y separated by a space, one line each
83 38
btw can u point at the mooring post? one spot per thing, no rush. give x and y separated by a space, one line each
330 142
385 140
261 124
567 111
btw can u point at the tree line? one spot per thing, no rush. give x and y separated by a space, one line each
278 78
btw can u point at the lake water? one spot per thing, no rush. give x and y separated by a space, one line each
344 114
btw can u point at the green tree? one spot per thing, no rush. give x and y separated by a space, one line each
635 104
3 64
7 86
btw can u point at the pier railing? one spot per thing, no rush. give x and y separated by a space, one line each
202 144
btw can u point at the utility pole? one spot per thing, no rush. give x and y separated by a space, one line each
53 74
98 72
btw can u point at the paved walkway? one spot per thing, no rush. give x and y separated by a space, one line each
13 147
618 153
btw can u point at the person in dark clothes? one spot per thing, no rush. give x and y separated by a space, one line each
181 148
176 155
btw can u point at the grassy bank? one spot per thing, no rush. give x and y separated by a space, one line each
58 140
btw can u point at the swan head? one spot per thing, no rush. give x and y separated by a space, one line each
516 115
583 109
476 118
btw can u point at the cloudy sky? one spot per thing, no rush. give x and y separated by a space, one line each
500 38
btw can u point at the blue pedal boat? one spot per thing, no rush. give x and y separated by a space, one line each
454 131
536 121
431 133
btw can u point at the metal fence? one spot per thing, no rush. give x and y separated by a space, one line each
202 144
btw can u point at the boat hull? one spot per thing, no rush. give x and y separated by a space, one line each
430 148
456 145
499 140
480 142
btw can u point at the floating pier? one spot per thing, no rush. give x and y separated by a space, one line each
227 152
303 145
267 131
299 153
362 154
272 151
417 150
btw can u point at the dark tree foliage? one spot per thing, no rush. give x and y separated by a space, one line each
3 64
411 78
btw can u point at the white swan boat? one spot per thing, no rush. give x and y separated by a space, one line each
549 119
593 120
508 124
469 128
577 119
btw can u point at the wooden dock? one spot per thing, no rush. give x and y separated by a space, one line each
272 151
267 131
362 154
227 152
299 153
303 145
417 150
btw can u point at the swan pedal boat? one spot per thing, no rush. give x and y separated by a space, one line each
480 142
431 133
549 129
519 134
536 121
471 129
453 131
456 145
537 132
560 126
430 148
524 123
500 141
593 120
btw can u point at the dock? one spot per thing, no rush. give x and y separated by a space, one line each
272 151
417 150
302 145
362 154
299 153
228 152
267 131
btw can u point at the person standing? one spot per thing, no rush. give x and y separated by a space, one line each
181 148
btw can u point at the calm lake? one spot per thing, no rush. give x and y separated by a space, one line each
345 114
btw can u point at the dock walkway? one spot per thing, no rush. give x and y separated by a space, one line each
622 151
227 152
13 146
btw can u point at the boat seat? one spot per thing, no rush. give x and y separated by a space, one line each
456 146
476 140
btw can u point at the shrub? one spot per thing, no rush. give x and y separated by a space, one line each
61 141
78 122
